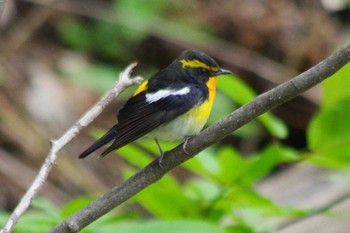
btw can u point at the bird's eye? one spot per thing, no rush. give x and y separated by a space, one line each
203 71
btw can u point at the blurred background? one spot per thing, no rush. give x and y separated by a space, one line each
284 172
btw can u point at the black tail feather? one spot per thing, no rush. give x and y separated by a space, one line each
109 136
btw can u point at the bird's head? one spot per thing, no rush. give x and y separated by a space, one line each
199 65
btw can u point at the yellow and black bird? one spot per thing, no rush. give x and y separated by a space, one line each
172 105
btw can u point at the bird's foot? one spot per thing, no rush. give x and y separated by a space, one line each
160 160
185 144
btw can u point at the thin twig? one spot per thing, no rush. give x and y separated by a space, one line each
56 145
209 136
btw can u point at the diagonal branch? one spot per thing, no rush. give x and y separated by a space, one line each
56 145
209 136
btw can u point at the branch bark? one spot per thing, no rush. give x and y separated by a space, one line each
123 82
207 137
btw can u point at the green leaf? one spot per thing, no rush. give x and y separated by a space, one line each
329 135
204 164
169 226
42 217
266 160
165 199
46 207
108 40
336 87
241 93
34 222
146 16
3 217
75 205
251 209
142 10
135 155
203 191
235 88
73 33
228 167
222 107
232 166
274 125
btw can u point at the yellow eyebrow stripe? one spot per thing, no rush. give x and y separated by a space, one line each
141 88
197 64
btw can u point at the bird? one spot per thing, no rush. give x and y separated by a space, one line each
173 105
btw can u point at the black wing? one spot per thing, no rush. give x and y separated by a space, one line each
137 117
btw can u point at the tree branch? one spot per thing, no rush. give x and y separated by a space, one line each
207 137
56 145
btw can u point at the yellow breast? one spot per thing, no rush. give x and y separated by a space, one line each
190 123
203 111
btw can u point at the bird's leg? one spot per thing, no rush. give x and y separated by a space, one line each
161 153
185 144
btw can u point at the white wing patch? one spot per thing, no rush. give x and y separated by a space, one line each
153 97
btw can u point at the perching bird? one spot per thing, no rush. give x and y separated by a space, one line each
172 105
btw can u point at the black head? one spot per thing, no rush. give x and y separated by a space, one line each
198 64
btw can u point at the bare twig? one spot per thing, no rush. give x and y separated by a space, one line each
209 136
56 145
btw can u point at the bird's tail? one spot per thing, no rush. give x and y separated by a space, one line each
109 136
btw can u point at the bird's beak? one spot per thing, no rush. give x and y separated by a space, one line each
222 71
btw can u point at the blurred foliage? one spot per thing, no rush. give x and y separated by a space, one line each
329 131
242 95
335 87
219 197
91 37
132 21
